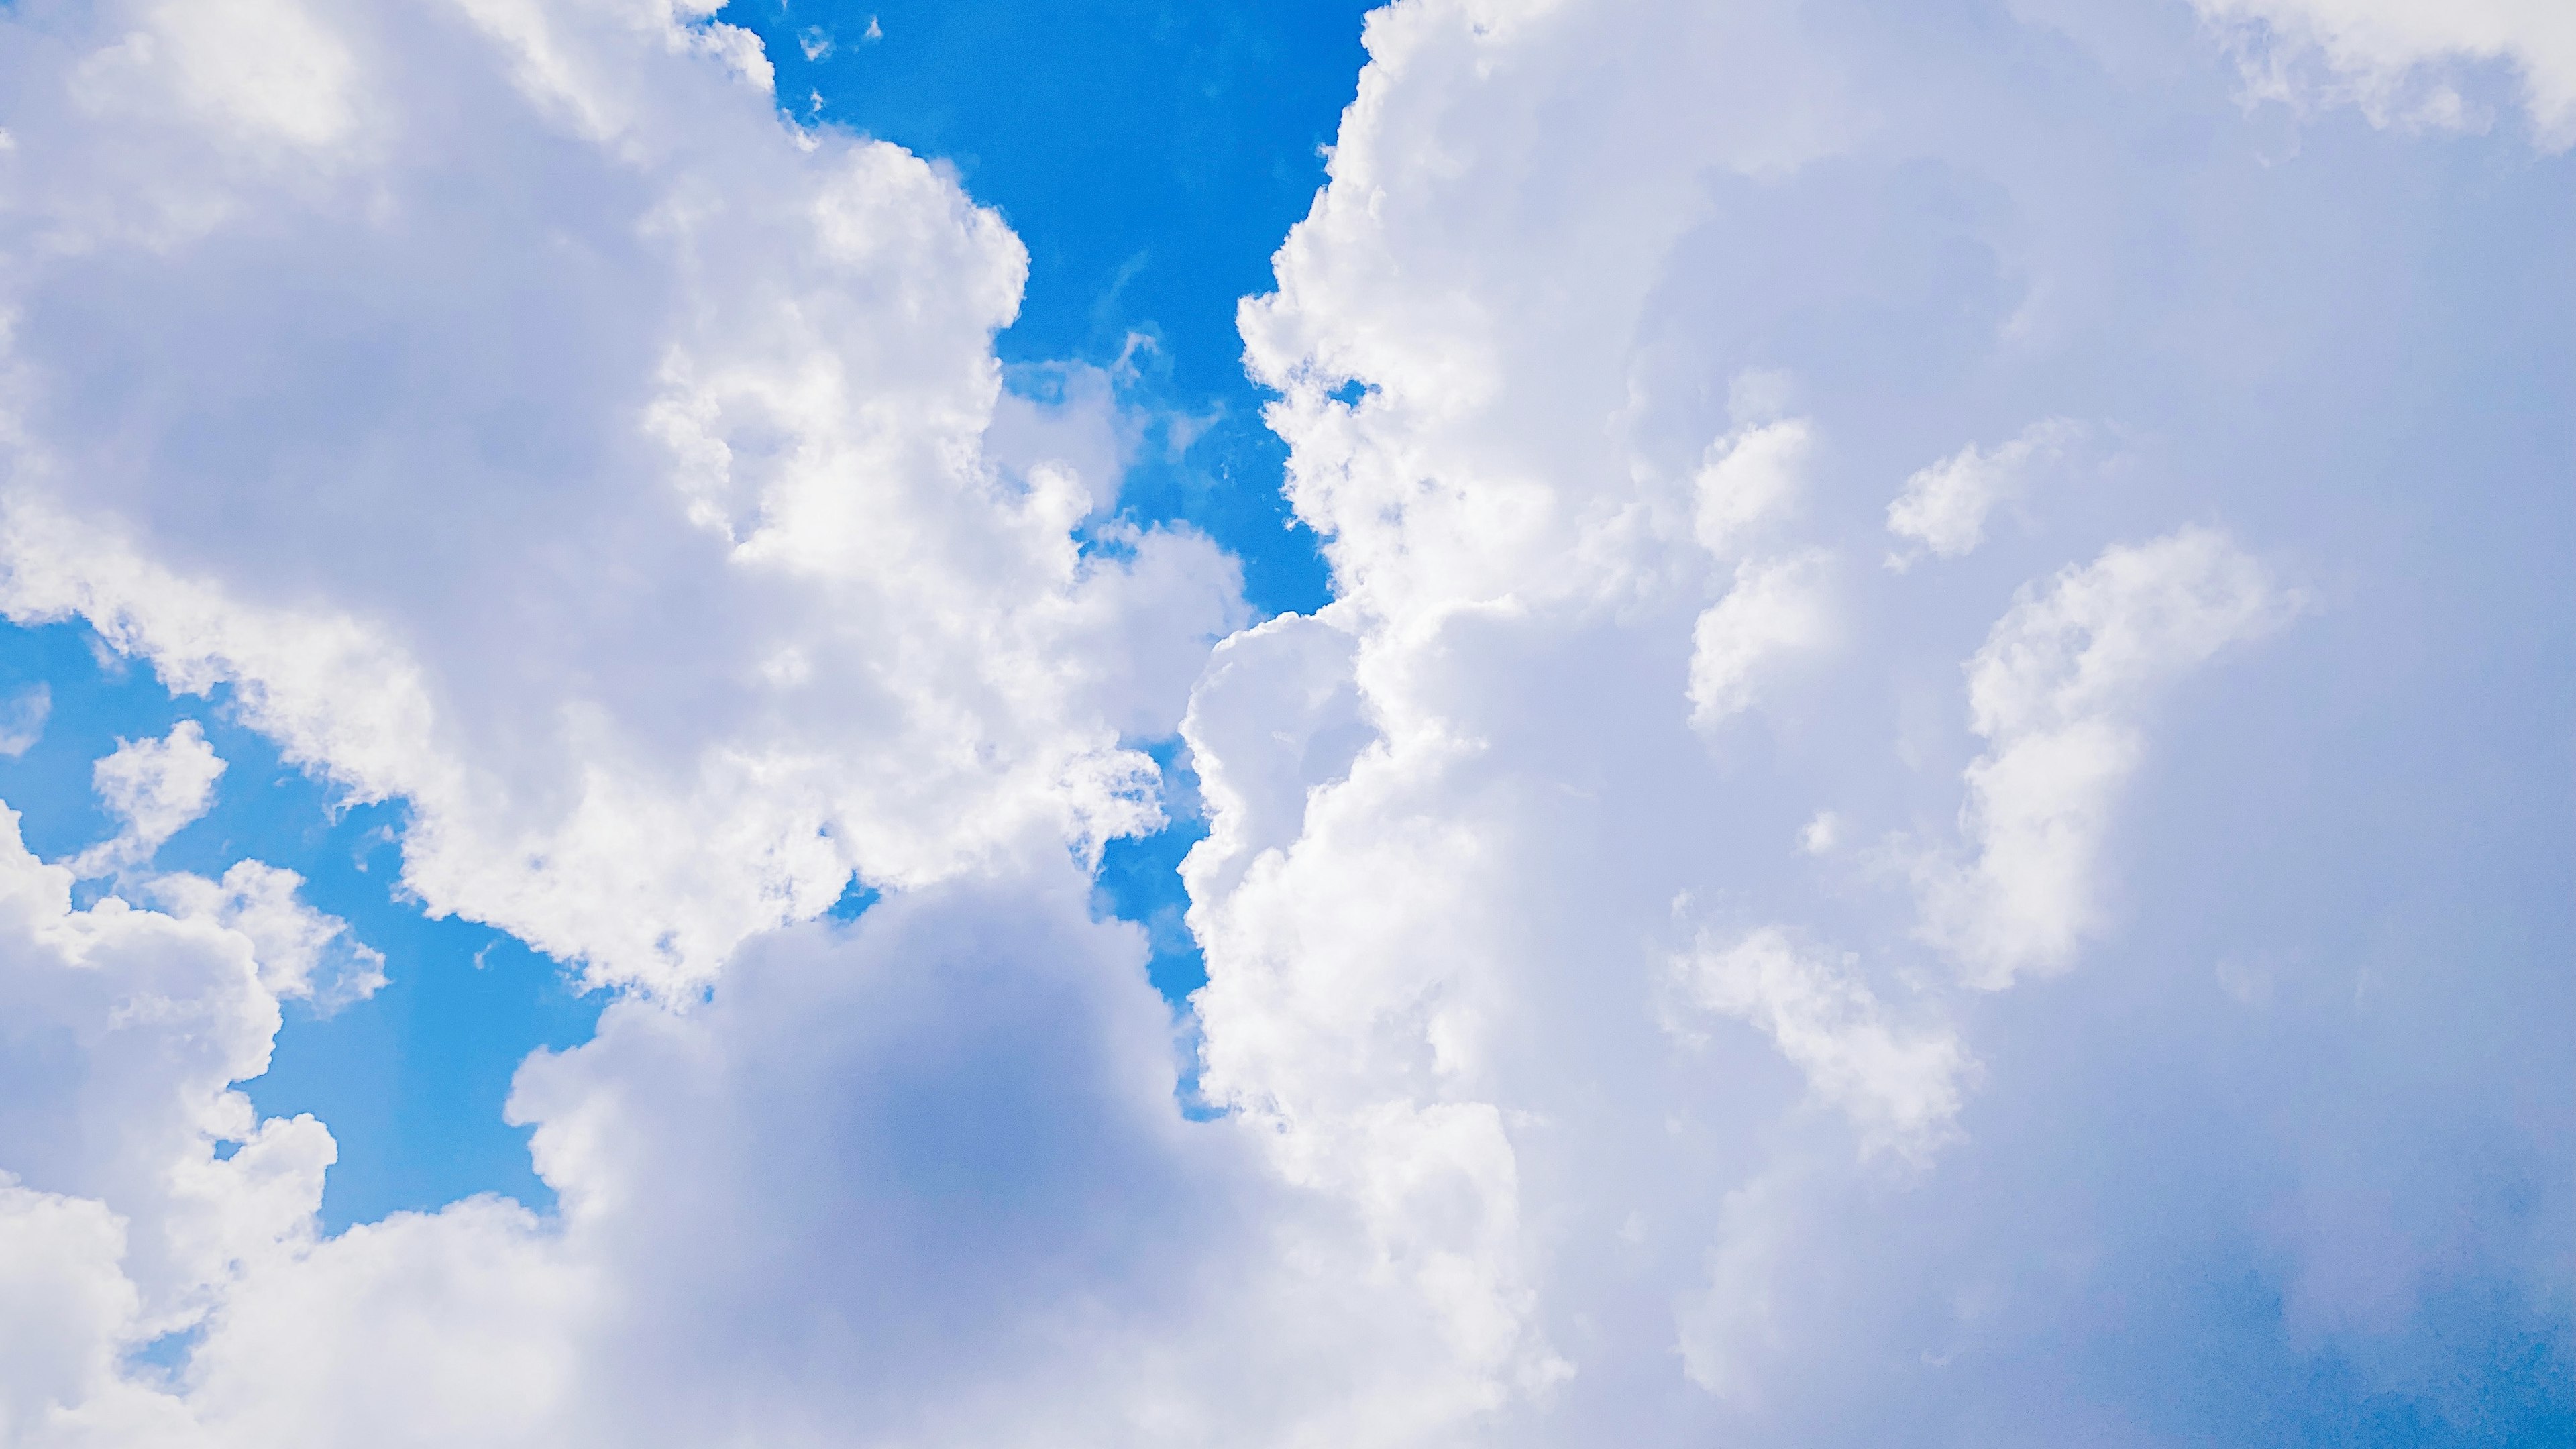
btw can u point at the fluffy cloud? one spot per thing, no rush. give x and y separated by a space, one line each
2388 56
526 422
2056 692
124 1032
1944 506
1775 609
154 788
625 485
1901 1088
1597 359
303 953
783 1215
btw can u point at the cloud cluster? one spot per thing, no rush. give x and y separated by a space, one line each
1609 353
122 1034
1669 977
920 1180
524 421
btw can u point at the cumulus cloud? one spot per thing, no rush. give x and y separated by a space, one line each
155 789
1943 507
950 1125
2057 694
627 483
124 1032
703 393
1821 834
1776 609
1776 606
1751 474
1901 1088
303 954
1563 249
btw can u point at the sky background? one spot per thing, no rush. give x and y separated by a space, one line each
1608 721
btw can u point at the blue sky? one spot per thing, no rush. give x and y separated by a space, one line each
1609 721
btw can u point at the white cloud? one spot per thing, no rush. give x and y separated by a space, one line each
678 553
628 511
121 1034
302 953
1777 609
1733 1332
270 71
2389 56
1943 507
950 1125
1750 476
1821 834
1557 241
1428 973
155 789
1901 1089
2057 693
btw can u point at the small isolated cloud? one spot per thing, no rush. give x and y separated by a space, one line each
155 788
2056 693
22 718
1943 507
816 42
1820 835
